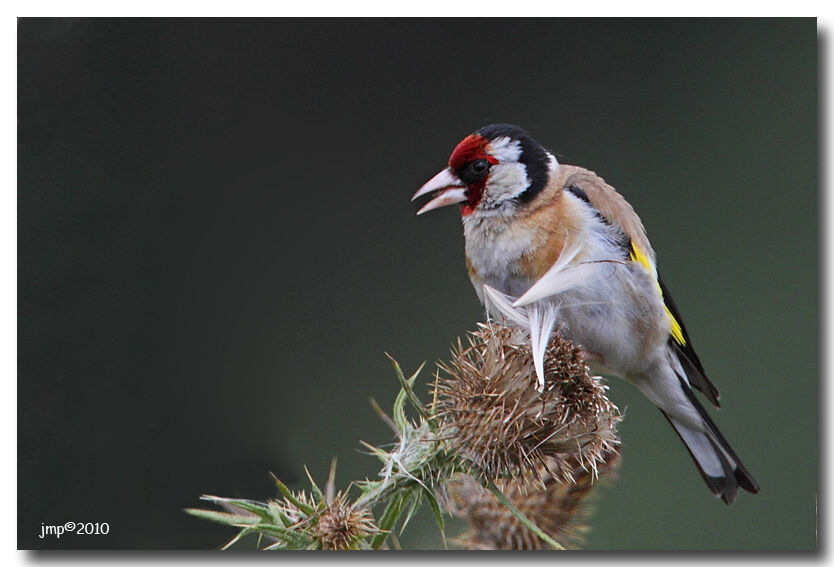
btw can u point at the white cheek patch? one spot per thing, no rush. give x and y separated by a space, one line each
508 178
506 181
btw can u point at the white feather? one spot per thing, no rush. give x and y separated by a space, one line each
503 303
542 319
538 319
562 276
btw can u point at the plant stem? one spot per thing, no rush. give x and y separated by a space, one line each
521 517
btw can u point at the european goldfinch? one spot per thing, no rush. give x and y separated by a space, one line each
553 244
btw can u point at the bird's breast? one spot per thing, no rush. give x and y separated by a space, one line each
510 253
507 256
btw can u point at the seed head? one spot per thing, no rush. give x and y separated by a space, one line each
559 509
493 416
341 525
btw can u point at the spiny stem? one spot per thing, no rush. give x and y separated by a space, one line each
379 493
388 520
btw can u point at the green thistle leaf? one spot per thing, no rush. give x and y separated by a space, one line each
407 388
222 517
287 493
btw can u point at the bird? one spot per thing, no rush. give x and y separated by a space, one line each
551 244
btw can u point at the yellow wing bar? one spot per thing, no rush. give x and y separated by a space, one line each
640 257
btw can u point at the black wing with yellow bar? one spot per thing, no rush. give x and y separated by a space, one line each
682 345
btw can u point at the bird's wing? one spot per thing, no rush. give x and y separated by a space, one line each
611 206
681 344
616 211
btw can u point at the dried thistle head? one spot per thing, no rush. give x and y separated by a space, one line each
559 509
494 417
341 525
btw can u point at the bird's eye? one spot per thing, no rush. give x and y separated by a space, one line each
474 171
479 166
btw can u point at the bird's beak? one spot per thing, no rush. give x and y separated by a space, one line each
448 188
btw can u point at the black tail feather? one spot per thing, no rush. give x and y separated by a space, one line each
725 486
735 475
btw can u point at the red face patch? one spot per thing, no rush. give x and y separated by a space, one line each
469 149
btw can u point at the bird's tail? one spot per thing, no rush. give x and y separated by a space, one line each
718 464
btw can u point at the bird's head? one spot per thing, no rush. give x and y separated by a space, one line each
492 171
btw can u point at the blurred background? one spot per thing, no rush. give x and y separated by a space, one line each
216 247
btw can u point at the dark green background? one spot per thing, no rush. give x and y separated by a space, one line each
216 246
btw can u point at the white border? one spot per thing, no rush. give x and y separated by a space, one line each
8 210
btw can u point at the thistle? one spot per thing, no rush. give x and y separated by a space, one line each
497 421
342 525
559 509
515 460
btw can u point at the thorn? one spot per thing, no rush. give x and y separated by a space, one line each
330 487
381 413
